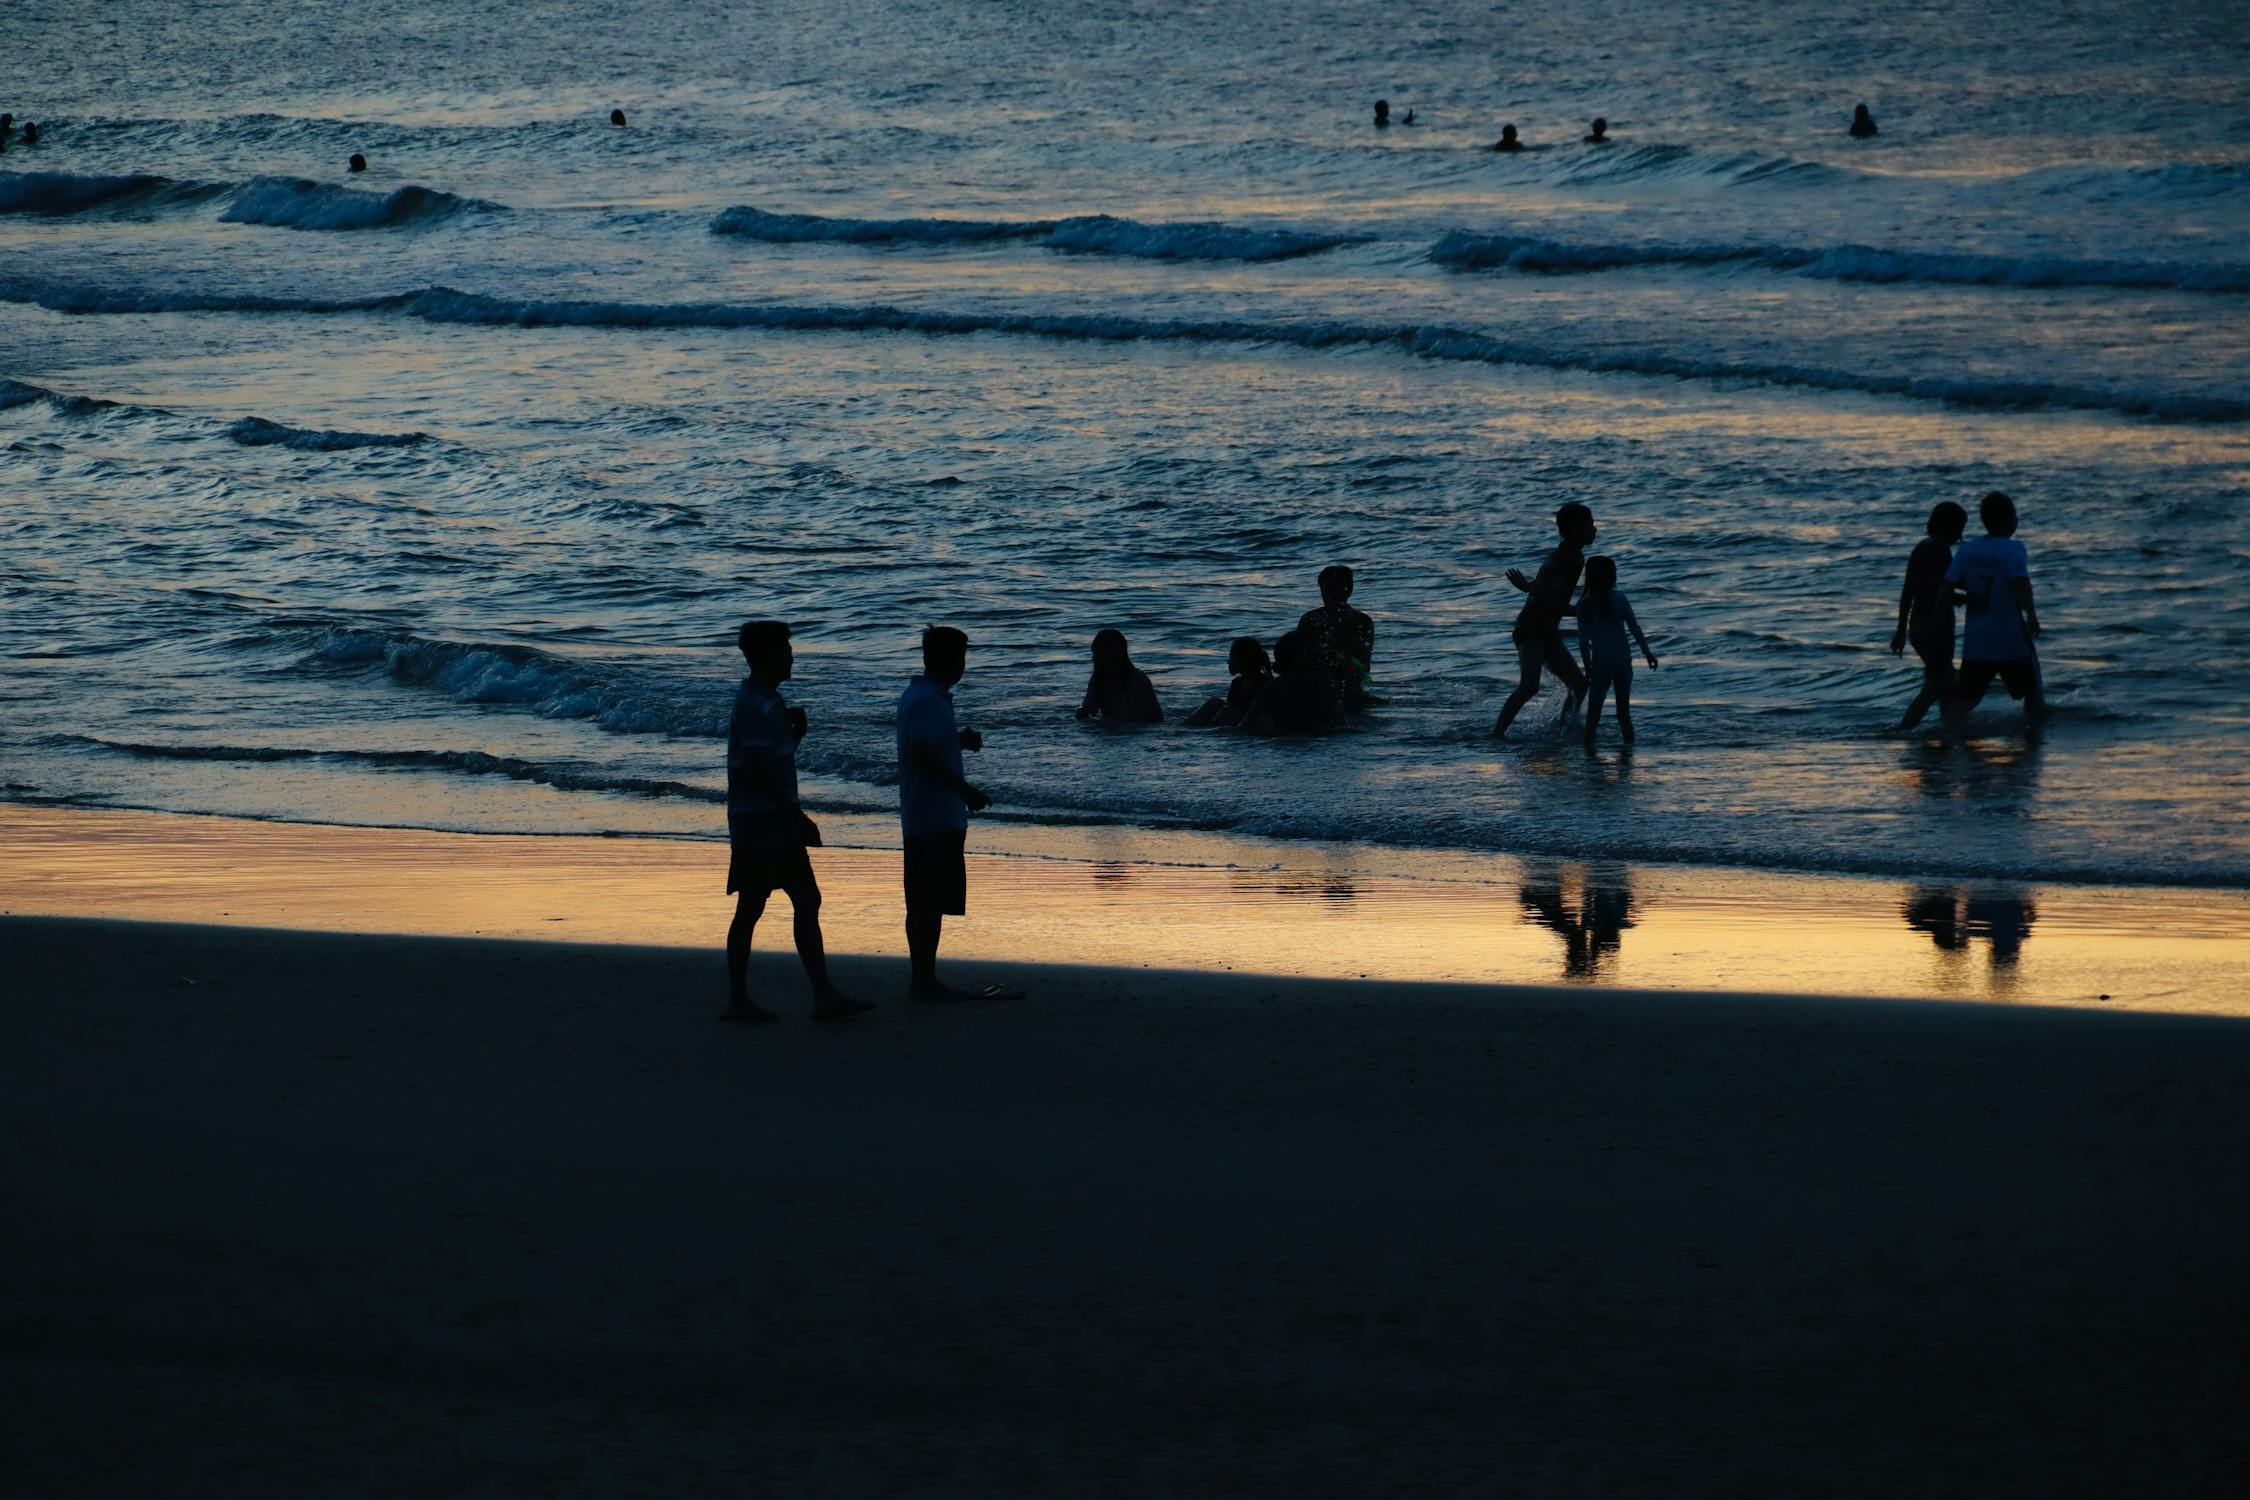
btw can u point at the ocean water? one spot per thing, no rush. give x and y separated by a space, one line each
431 496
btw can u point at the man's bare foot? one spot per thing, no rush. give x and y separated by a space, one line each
744 1010
837 1006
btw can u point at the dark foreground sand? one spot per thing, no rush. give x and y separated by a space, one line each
392 1216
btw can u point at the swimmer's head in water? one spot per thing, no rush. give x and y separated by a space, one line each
1508 135
1600 130
1335 584
358 162
617 117
1247 655
1382 111
1948 521
1998 513
31 132
6 121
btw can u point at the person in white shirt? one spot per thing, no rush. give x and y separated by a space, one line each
767 828
934 803
2001 621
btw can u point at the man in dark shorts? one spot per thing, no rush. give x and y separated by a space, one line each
1538 629
1342 640
768 830
1925 610
1994 575
934 803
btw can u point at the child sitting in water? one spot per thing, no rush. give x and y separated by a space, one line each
1297 700
1118 692
1604 615
1246 659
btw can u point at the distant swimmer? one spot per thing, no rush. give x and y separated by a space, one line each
1599 135
31 132
617 117
1507 141
1863 123
7 123
358 162
1382 113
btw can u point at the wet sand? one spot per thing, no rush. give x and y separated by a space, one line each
297 1214
1133 899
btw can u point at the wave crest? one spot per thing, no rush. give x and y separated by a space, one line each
298 203
1089 234
257 432
1424 341
1486 252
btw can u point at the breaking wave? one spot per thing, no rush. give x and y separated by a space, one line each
1475 252
1424 341
1095 234
257 432
75 192
297 203
471 762
555 687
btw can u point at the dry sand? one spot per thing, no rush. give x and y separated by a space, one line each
313 1215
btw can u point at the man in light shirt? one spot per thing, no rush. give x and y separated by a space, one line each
767 828
934 803
1994 573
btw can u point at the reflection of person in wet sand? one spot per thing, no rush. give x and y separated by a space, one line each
1592 929
1954 916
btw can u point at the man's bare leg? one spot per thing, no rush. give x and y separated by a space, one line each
748 907
829 1003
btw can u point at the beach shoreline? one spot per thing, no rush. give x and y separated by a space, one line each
1130 899
301 1213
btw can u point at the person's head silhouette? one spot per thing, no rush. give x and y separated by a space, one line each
1247 657
1111 656
1508 141
1576 523
766 647
1599 135
1998 513
945 654
358 163
1335 584
617 117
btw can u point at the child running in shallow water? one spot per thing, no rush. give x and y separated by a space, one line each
1604 615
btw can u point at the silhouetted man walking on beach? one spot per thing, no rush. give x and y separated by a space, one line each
934 803
768 830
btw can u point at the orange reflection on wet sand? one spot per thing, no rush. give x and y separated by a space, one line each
1317 913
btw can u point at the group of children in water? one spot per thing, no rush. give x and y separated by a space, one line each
1319 674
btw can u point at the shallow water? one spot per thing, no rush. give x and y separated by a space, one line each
432 497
